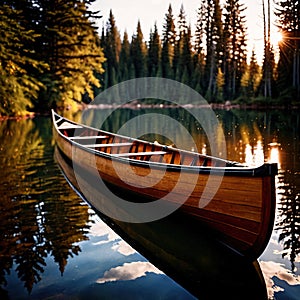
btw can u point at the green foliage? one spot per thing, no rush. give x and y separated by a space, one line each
251 78
50 54
235 53
17 85
138 52
288 22
168 43
182 61
210 29
72 48
111 43
125 61
154 54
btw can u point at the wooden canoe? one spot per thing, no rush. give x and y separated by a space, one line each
241 211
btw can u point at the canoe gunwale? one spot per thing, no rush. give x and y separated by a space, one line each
266 169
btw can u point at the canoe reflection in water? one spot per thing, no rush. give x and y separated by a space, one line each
183 249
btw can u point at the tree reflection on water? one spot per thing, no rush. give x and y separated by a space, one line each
288 223
40 216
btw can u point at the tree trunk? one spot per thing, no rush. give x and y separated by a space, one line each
267 33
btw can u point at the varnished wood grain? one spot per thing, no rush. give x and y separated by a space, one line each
241 211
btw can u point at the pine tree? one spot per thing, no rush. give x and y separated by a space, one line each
70 44
288 21
219 85
251 78
68 59
138 52
178 47
125 59
112 49
209 29
18 66
199 49
154 53
200 28
183 69
168 43
186 57
268 85
182 60
235 53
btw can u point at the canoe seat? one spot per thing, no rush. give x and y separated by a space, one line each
89 137
67 125
108 145
140 154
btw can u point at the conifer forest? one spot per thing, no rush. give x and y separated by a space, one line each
53 54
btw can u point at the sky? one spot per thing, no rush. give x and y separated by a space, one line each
127 13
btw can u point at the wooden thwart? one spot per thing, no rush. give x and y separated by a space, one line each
140 154
88 137
108 145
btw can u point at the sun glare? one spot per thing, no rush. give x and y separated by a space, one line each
276 37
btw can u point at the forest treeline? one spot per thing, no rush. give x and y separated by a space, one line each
53 54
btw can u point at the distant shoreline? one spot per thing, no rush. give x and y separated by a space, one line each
224 106
137 106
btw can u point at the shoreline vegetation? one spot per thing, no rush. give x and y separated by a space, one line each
137 106
49 61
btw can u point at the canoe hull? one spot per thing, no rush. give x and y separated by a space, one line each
241 210
191 255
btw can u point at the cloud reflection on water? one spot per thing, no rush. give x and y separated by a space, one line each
271 270
100 229
123 248
129 271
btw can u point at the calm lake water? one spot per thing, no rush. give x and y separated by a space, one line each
54 246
